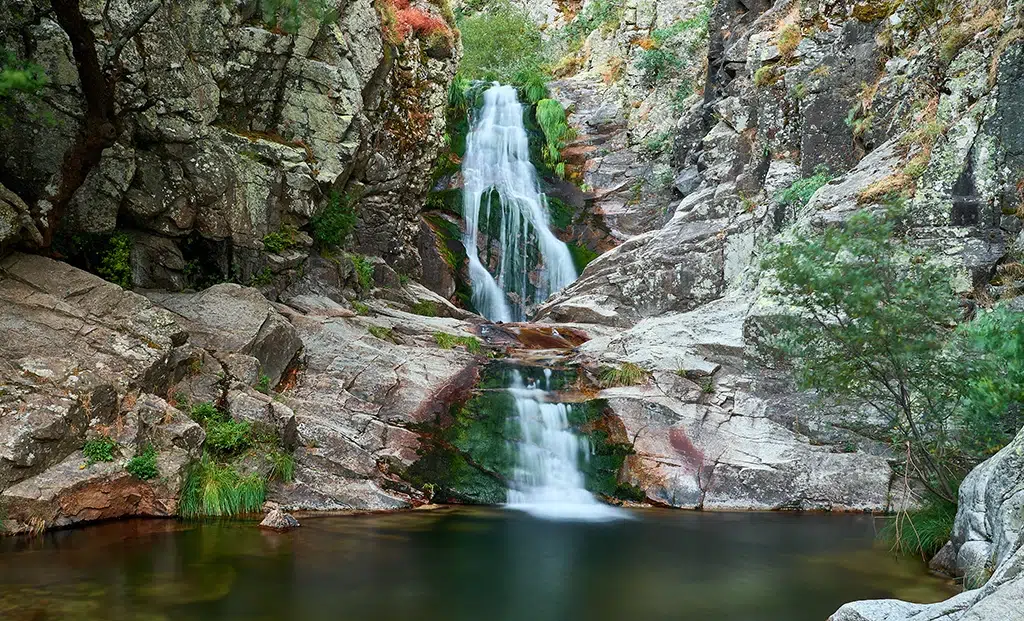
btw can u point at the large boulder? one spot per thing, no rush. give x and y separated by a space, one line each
231 319
987 543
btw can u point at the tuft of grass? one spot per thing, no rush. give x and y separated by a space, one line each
143 466
263 384
213 489
895 185
766 76
626 374
99 449
282 466
800 192
426 308
383 333
360 308
228 437
450 341
279 241
922 532
364 270
788 41
205 411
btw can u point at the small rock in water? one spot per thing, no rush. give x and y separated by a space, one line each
279 520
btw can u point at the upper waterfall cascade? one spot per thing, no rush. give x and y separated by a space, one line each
500 182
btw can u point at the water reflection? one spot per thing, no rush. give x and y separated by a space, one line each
459 564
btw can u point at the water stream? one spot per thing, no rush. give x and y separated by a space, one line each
502 195
502 198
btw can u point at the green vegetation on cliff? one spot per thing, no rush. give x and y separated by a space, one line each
879 328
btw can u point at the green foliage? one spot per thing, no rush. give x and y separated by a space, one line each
875 330
143 466
116 262
282 466
364 270
767 75
99 449
332 226
214 489
263 384
552 121
658 64
581 256
360 308
626 374
992 408
228 437
383 333
426 308
921 532
450 341
288 15
262 278
800 192
17 78
205 412
282 240
502 45
604 15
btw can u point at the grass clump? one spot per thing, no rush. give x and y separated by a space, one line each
451 341
205 411
337 220
626 374
228 437
282 466
360 308
788 41
383 333
279 241
116 262
553 122
215 489
921 532
143 466
364 270
263 384
426 308
766 76
800 192
99 449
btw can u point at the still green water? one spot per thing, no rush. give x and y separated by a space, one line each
460 564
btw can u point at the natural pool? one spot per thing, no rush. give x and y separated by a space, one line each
460 564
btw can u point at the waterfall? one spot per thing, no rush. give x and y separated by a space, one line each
500 182
547 480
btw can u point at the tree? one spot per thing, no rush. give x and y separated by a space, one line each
875 327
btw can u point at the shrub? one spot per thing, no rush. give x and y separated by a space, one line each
337 220
228 437
288 15
263 384
143 466
627 374
800 192
116 263
213 489
450 341
658 64
503 45
555 126
99 449
360 308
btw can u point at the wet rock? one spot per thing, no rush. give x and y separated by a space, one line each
279 520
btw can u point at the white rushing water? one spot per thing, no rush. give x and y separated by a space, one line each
499 181
547 480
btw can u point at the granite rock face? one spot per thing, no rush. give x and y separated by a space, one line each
221 129
986 545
